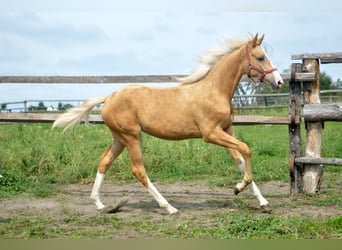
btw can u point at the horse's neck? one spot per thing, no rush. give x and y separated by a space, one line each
226 74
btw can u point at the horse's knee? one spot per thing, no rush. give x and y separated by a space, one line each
103 166
245 151
248 179
140 174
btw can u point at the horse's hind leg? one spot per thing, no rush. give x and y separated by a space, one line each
106 160
240 163
138 170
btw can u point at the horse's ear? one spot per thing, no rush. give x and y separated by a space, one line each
259 41
254 40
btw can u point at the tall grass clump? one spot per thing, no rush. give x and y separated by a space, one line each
32 155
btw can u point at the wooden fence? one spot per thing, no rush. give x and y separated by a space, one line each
50 117
305 170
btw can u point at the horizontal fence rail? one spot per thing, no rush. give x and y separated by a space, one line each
240 102
319 161
120 79
323 57
97 119
322 112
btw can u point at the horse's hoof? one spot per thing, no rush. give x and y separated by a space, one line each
236 191
176 213
266 209
113 209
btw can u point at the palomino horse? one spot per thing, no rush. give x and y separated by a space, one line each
200 107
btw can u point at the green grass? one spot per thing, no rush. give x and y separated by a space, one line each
240 224
37 157
33 157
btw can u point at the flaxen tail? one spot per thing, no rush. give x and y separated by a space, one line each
75 115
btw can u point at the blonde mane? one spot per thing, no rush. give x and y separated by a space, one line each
210 58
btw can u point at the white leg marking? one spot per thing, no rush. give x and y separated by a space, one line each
253 187
240 186
160 199
256 192
242 165
95 193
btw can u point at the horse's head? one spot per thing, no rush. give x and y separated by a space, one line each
259 67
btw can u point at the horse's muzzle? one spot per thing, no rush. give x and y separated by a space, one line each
276 80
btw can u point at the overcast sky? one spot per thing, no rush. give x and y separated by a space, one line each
149 37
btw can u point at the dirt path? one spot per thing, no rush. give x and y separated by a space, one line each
190 199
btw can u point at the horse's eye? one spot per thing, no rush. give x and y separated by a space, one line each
260 58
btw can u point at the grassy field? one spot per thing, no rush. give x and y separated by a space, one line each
35 160
33 157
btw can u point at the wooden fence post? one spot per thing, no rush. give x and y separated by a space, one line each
25 107
295 88
312 173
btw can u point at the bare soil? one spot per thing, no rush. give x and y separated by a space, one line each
191 200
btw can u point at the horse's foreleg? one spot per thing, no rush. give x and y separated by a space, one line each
241 164
222 138
139 172
159 198
106 160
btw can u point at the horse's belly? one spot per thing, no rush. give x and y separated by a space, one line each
171 131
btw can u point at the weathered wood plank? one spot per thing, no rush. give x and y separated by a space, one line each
323 112
90 79
324 57
118 79
312 175
39 117
51 117
295 138
259 119
318 161
304 77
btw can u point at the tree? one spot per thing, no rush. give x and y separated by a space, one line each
41 106
62 107
325 81
338 83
